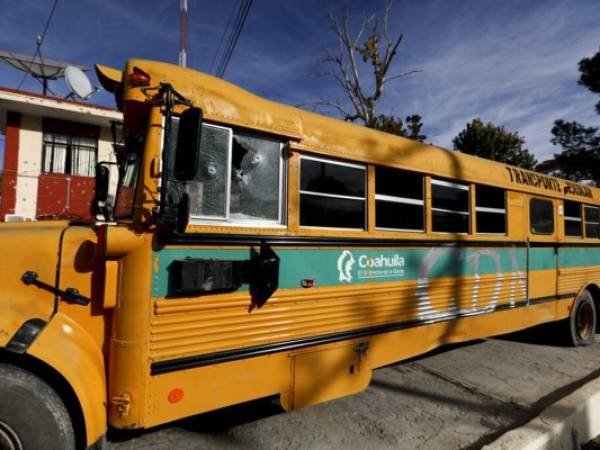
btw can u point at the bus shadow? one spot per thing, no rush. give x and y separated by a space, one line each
548 334
444 348
221 420
215 423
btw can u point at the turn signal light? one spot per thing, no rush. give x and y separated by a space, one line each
139 78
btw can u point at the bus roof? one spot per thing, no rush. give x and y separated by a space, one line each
226 103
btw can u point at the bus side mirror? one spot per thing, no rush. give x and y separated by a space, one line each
187 152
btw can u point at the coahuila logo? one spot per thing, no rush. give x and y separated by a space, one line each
344 264
380 266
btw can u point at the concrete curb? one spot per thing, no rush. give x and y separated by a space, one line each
567 424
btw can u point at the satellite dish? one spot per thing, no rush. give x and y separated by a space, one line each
78 82
42 69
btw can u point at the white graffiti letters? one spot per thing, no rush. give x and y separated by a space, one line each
454 257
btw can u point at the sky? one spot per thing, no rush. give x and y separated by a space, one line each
511 62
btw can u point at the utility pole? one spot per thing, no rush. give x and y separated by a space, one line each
183 25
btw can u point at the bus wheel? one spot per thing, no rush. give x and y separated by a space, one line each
582 322
32 415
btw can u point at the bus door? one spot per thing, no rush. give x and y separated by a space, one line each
542 256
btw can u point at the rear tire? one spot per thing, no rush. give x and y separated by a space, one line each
32 415
582 322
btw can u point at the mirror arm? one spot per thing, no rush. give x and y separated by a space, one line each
174 203
101 206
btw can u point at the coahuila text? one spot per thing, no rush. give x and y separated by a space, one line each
365 261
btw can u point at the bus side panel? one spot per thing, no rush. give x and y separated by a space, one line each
397 299
578 267
420 285
319 373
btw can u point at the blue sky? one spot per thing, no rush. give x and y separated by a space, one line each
512 62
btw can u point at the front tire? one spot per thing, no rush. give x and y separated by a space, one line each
32 415
582 322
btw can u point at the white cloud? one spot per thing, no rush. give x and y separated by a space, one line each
517 69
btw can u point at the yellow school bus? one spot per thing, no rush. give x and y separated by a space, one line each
248 249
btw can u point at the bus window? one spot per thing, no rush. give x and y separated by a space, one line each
399 202
573 222
240 178
332 193
592 222
490 209
541 216
449 207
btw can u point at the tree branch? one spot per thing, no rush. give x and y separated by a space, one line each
376 50
401 75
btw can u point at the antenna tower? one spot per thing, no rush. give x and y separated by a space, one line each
183 27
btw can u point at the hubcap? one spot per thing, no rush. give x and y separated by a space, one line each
585 321
9 440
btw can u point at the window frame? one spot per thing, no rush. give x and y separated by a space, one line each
585 221
404 201
365 200
547 200
226 221
456 185
68 164
486 209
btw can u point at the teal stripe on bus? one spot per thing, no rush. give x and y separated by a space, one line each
579 257
542 258
340 266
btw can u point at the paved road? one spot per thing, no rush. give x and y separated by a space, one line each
455 398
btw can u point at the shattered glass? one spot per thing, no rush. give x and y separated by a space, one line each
254 179
208 192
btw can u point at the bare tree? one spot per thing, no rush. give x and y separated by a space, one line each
368 48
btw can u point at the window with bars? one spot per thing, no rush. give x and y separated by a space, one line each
573 222
592 222
332 193
490 210
449 206
399 200
68 154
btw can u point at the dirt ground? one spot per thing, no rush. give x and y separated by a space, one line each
459 397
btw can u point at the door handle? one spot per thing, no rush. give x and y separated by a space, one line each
70 295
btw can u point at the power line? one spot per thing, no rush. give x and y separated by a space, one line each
38 44
233 38
238 30
48 21
214 60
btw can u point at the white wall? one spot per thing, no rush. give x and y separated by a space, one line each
29 168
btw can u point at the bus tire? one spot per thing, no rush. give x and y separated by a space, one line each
32 415
582 322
